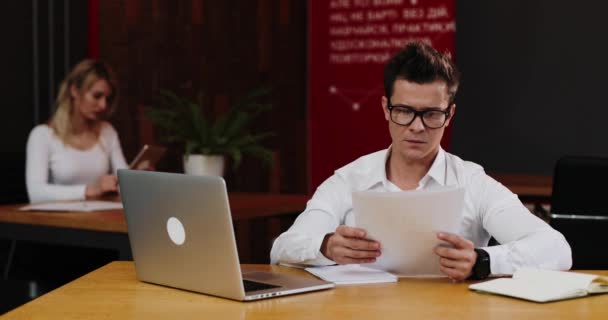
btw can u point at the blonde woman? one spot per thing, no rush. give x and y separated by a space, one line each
76 154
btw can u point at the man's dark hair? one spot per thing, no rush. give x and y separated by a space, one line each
420 63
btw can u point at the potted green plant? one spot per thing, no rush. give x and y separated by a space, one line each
207 139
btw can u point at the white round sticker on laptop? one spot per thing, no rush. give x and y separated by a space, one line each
176 231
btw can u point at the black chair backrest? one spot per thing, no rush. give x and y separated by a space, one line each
579 208
580 186
12 184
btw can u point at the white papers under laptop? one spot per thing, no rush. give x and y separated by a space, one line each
83 206
406 225
181 235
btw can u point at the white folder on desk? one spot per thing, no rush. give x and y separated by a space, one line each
82 206
406 225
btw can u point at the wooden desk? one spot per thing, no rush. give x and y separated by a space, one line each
108 229
532 188
112 292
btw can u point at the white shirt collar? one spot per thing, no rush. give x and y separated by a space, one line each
369 171
437 171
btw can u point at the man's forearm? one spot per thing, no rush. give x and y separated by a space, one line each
547 249
297 248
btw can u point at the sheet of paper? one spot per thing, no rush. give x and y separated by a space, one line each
85 206
406 225
351 274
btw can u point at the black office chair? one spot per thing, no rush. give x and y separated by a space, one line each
579 208
13 292
12 190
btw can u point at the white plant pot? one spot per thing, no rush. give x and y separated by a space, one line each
204 165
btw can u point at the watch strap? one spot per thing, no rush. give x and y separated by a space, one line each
481 269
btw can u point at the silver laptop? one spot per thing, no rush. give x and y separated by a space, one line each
181 235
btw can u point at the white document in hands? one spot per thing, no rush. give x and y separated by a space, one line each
406 225
544 285
351 274
83 206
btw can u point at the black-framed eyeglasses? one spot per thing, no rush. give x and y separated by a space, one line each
431 118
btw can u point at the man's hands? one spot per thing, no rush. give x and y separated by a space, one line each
349 245
457 262
105 184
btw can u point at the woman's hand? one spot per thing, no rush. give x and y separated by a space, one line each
105 184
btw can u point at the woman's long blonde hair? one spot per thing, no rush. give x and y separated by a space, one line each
82 77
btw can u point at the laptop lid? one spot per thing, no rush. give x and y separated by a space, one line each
181 234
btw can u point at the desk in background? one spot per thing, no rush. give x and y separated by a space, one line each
529 188
112 292
108 229
533 190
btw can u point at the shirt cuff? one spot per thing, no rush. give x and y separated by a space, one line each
320 258
498 256
81 192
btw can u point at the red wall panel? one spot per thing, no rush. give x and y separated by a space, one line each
349 43
93 32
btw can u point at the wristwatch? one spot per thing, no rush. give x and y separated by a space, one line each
481 269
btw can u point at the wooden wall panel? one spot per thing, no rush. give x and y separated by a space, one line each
223 48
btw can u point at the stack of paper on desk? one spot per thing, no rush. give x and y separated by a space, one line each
73 206
544 285
351 274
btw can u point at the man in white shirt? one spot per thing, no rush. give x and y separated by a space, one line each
420 84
